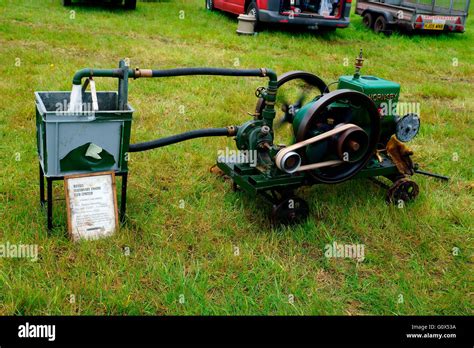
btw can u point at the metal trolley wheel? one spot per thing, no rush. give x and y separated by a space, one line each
316 120
289 210
403 189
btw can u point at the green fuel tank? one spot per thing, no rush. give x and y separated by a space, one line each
384 94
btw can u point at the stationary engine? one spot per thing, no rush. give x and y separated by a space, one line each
351 132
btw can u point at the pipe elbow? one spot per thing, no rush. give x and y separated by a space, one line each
270 74
79 75
87 72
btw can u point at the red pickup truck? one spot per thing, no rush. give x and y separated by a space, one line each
328 14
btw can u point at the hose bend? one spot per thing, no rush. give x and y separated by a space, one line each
198 133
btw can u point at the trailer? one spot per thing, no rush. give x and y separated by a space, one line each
414 15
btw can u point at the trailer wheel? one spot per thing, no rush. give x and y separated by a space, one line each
381 25
210 5
368 20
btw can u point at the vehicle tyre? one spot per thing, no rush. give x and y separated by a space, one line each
252 10
67 2
381 25
210 5
368 20
130 4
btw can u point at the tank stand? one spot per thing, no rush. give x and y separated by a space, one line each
48 199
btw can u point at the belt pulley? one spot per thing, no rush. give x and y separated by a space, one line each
344 127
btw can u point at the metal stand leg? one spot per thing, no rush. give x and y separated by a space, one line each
50 203
123 201
41 186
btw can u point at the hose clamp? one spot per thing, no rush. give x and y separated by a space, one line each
232 130
143 73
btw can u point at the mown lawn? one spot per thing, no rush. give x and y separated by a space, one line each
418 260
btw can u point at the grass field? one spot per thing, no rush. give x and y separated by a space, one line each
219 254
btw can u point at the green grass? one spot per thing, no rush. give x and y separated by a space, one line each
190 251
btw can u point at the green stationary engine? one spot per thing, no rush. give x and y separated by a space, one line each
353 131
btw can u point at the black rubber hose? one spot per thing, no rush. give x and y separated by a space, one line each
199 133
210 71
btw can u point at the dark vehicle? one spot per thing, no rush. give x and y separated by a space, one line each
414 15
314 14
129 4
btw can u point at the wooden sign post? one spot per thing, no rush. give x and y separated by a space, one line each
91 203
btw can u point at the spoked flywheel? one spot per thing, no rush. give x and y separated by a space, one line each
295 88
352 147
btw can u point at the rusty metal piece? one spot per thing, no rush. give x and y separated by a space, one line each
232 130
400 155
353 145
216 170
143 73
